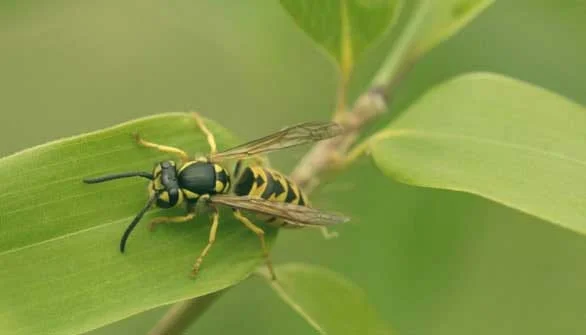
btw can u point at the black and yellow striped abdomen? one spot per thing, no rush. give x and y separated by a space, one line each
268 184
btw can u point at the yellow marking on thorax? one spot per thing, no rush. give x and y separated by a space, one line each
184 166
190 195
219 186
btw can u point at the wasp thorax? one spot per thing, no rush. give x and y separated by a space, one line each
202 177
165 183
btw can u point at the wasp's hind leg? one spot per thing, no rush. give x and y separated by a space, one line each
211 240
163 148
204 129
261 235
328 235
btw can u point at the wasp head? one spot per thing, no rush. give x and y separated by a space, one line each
166 185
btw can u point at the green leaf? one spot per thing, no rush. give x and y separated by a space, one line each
60 268
328 302
445 18
500 138
345 29
432 22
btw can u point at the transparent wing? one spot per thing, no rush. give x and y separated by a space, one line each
295 214
285 138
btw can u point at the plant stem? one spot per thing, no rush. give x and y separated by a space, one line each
403 56
325 155
182 314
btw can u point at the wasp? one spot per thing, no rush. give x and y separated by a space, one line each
257 189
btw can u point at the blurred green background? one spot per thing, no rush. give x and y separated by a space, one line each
432 262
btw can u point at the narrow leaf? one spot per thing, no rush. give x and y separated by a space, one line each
431 23
327 301
445 18
60 268
496 137
345 29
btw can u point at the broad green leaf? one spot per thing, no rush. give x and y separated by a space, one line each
328 302
344 28
60 268
500 138
432 22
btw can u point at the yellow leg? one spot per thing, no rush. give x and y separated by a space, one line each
210 137
164 148
211 240
327 234
170 219
261 235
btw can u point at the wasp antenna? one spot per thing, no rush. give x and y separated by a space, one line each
109 177
136 220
